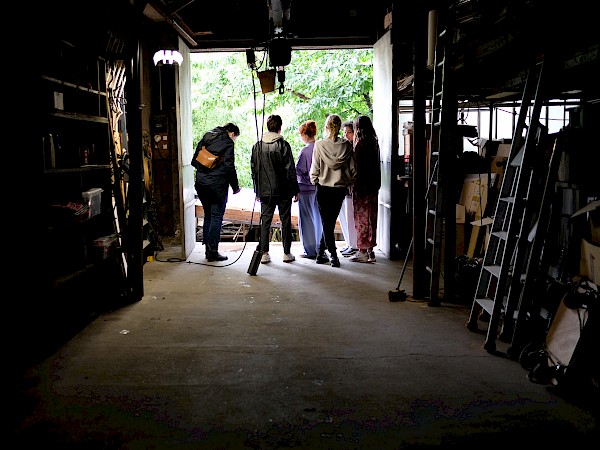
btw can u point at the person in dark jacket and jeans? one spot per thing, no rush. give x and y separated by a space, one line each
275 184
212 185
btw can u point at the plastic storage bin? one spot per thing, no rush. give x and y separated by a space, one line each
105 245
93 198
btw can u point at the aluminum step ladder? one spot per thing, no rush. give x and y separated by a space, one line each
441 212
527 232
506 250
530 313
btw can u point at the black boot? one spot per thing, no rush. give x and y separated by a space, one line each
215 256
335 261
322 258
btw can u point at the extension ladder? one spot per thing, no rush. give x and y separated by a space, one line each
441 212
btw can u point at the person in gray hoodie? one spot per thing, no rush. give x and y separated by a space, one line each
332 171
275 184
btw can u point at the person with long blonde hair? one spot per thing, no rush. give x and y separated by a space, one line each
332 172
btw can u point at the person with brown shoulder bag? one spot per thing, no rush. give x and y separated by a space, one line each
214 161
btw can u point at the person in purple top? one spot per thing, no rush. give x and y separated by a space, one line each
309 218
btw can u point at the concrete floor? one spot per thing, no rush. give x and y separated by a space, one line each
298 356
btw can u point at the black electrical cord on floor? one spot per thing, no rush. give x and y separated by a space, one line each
179 260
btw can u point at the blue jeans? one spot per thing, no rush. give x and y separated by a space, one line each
309 223
213 203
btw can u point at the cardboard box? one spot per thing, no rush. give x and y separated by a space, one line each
474 194
487 148
503 150
480 230
494 148
460 229
460 233
591 212
589 263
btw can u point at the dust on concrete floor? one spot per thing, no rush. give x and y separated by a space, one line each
300 356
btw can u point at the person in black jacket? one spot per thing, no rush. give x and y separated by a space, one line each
212 185
275 184
365 192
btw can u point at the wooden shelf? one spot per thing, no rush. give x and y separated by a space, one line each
73 86
77 116
75 170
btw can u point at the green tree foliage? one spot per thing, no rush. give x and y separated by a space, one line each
317 83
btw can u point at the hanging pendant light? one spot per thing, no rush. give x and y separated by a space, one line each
167 57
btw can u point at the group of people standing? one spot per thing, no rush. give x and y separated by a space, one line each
335 177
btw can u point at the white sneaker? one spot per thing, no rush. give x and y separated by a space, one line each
265 258
288 257
360 257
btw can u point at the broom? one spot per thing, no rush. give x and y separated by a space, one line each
398 295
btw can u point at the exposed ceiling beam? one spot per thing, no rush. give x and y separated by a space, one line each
156 13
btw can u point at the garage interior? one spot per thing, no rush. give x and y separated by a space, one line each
296 357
